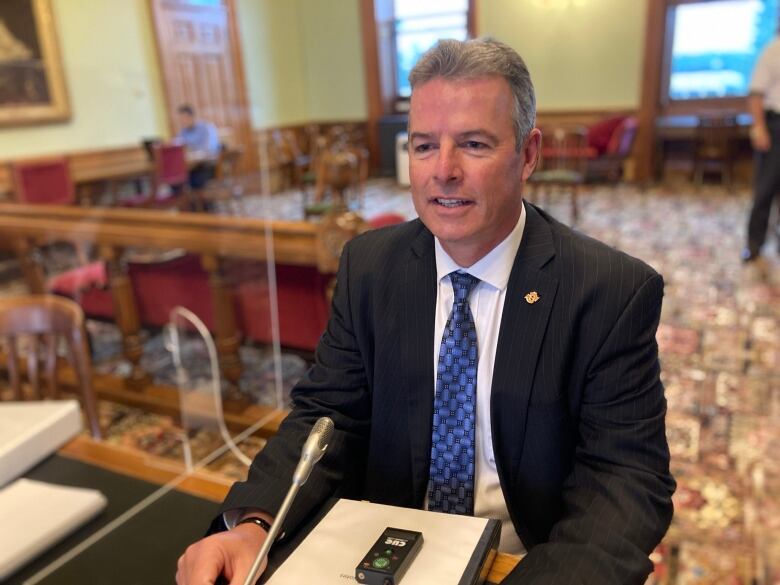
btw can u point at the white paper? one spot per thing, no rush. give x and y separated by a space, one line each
35 515
31 431
330 553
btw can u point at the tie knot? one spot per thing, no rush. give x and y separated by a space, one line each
462 284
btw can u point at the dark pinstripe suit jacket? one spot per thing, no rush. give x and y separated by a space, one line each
577 407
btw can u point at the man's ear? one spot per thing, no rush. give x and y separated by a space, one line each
531 151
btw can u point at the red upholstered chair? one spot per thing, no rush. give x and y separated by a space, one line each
44 182
608 162
385 219
160 286
170 161
171 173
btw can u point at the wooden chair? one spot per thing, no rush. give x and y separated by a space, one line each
715 137
47 320
563 163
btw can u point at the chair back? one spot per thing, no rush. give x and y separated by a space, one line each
36 326
565 148
715 136
44 182
622 140
227 163
171 164
385 219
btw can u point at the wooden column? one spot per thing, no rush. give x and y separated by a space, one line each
33 273
228 338
125 315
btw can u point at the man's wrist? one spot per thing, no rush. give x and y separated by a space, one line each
257 521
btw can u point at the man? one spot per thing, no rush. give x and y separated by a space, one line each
569 449
764 106
199 137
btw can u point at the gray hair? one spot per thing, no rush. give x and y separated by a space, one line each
482 57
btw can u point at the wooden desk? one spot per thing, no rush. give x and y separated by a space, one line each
205 486
675 138
91 168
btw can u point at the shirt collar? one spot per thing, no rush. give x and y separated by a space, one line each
495 266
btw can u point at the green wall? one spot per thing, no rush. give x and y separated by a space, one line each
586 56
303 60
273 61
111 76
333 60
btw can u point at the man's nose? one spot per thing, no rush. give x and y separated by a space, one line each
448 167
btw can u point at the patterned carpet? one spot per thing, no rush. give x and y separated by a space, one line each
719 341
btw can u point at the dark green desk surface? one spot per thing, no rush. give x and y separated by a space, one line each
142 551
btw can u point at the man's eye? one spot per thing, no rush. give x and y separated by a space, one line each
474 144
423 148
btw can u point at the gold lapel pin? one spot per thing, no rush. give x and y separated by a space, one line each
532 297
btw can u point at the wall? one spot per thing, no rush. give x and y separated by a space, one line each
587 56
333 60
273 61
112 79
303 60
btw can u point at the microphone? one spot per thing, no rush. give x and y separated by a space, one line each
312 452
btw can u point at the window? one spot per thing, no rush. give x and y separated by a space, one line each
714 46
418 25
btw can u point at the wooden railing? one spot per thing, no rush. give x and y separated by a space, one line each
23 228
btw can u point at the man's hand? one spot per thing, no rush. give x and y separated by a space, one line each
229 554
760 139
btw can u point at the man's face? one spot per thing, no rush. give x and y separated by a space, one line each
186 120
466 175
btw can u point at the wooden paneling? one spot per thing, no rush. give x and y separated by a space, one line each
584 117
128 162
147 467
201 62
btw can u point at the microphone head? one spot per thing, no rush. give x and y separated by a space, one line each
323 429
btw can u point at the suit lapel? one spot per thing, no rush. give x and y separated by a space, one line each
418 318
523 325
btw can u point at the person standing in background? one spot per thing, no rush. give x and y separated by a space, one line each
764 106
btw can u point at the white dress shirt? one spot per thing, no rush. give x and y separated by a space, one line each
487 304
766 76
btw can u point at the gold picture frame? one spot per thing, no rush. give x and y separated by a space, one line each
32 83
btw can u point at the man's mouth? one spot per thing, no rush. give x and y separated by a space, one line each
450 203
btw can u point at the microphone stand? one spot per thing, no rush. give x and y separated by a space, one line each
275 528
313 450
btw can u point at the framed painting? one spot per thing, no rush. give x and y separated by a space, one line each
32 85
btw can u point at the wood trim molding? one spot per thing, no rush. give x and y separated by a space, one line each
471 23
373 85
294 241
651 87
203 484
250 160
147 467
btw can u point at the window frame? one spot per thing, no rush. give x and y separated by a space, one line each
469 34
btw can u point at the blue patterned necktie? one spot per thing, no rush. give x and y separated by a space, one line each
451 487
